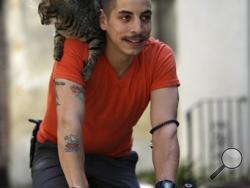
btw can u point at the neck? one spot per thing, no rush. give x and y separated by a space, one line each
119 61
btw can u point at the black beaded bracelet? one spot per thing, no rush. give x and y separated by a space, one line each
163 124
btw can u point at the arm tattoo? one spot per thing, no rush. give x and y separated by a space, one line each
58 83
78 91
72 143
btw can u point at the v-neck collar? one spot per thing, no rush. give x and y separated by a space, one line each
119 80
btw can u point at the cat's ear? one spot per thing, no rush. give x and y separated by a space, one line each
103 20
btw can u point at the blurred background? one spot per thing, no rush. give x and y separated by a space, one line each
211 40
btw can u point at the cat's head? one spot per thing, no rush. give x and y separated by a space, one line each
50 11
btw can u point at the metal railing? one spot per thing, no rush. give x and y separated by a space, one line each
213 126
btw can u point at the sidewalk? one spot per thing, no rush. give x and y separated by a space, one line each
142 185
231 185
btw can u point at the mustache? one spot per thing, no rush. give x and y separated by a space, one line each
137 37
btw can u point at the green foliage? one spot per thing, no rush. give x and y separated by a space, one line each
147 176
184 175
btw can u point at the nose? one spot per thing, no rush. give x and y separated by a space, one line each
137 25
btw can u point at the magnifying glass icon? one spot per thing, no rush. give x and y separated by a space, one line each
231 158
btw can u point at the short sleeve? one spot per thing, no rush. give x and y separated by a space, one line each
71 65
164 70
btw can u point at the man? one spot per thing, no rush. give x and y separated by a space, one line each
85 138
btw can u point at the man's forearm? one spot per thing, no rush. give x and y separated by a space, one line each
70 109
165 156
71 156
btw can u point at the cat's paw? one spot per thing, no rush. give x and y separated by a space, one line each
87 70
58 54
86 74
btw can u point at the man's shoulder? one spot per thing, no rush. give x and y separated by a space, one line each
74 47
155 44
74 43
154 49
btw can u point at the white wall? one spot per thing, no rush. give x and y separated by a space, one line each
211 52
30 58
212 49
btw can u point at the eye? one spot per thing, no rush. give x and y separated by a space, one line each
146 18
125 18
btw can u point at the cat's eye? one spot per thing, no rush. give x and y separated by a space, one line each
52 10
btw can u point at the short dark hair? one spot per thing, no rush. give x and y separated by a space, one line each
107 5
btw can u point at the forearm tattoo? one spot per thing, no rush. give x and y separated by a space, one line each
78 91
72 143
57 84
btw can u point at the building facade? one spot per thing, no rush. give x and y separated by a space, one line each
213 61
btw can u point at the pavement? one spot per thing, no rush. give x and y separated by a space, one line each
231 185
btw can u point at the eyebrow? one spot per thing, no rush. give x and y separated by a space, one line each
147 12
124 12
129 12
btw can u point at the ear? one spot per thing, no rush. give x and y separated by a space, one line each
103 20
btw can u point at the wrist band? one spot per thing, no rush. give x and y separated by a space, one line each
163 124
165 183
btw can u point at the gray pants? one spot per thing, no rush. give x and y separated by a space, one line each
101 171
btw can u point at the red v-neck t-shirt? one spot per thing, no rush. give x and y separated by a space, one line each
113 104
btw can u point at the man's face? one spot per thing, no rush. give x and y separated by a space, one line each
128 26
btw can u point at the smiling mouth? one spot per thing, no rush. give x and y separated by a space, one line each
136 42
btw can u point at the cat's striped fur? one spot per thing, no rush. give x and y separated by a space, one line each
77 19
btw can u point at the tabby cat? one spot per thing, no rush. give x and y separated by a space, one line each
77 19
